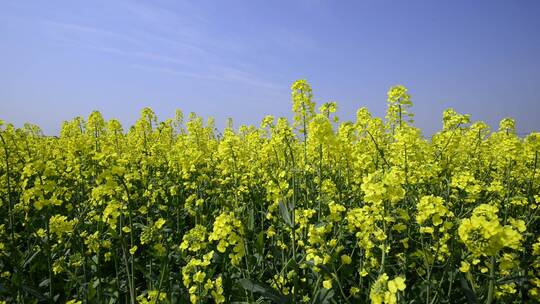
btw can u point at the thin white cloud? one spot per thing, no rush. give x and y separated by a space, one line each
171 71
182 49
154 13
221 73
236 75
179 44
123 52
87 37
85 29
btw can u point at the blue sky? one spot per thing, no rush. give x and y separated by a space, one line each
61 59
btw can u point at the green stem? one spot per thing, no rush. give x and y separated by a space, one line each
491 281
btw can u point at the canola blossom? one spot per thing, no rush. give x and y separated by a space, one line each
313 210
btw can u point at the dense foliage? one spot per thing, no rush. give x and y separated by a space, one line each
317 211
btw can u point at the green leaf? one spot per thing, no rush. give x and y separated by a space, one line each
285 214
44 283
34 292
259 243
323 296
29 260
471 296
251 220
265 291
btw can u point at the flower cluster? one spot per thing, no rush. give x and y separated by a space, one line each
228 232
431 213
313 210
199 284
60 225
483 233
385 290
